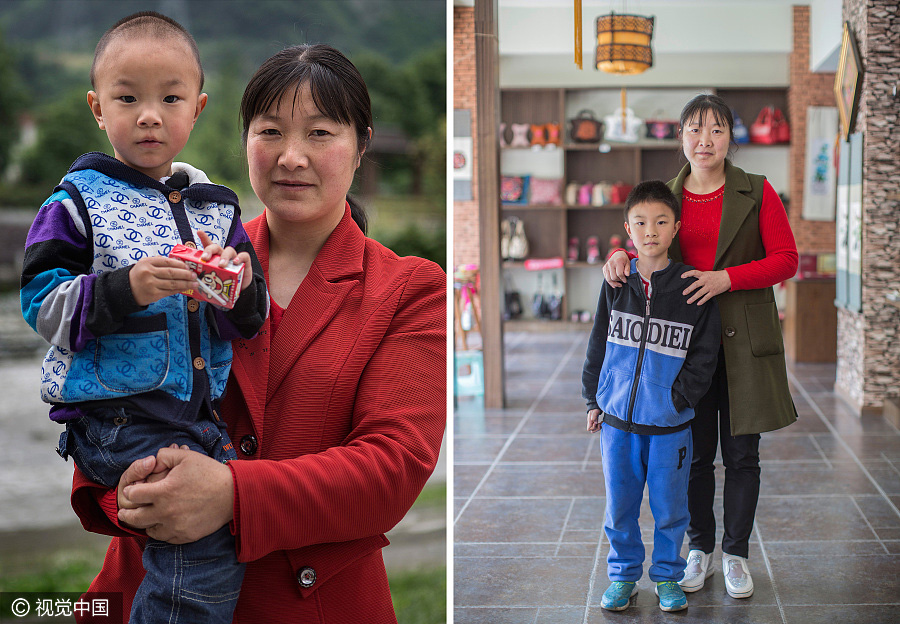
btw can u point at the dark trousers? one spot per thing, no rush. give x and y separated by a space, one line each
740 454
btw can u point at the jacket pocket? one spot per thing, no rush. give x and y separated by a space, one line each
136 358
653 405
764 329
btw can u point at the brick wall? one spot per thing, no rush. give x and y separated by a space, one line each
869 341
807 89
465 213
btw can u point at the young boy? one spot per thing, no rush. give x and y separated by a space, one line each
134 365
650 359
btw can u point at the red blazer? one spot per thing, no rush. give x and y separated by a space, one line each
347 402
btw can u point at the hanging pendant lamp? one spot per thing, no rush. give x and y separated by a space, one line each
623 43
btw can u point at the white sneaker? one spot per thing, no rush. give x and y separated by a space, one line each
738 582
696 571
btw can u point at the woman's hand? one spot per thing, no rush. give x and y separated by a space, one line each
228 254
593 420
617 269
708 285
193 499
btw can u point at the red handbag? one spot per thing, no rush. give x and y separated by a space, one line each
620 192
770 127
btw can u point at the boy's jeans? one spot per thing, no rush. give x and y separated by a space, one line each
196 582
664 462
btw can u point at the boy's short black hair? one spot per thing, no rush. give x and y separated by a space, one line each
652 191
145 23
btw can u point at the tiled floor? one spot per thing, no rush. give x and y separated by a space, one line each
529 501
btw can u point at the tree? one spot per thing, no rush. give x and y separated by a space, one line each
66 130
11 104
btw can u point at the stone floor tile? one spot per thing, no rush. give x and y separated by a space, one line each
484 425
864 612
543 480
522 582
826 517
836 579
467 477
556 448
479 448
512 520
493 615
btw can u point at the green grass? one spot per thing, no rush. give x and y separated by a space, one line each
434 495
420 596
63 571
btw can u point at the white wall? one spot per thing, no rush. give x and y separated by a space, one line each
826 28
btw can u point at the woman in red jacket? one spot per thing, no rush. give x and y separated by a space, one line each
337 407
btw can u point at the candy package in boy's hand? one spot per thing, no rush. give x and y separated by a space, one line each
218 285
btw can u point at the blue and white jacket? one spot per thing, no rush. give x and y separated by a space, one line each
649 361
168 357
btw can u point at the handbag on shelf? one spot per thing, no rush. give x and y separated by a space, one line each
585 128
546 191
572 193
518 242
505 235
660 128
602 194
770 127
554 135
512 299
514 189
622 126
741 134
520 135
620 192
584 194
538 135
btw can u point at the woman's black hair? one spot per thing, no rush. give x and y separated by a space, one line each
705 103
338 91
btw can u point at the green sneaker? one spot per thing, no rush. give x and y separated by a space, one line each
618 595
671 596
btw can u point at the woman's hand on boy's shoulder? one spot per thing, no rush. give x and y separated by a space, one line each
707 285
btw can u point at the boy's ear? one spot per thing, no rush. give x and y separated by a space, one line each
93 101
628 229
201 104
677 226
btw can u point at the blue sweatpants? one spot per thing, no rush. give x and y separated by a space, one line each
664 463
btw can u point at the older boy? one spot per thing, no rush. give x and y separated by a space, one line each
650 359
135 365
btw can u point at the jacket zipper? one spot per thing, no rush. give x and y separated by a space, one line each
640 361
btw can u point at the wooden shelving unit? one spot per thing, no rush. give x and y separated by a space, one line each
549 227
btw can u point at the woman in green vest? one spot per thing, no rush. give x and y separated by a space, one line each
735 231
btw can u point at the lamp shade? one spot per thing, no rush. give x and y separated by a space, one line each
623 43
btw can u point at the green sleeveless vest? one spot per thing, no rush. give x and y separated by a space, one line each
758 394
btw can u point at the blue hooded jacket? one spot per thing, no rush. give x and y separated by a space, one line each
649 361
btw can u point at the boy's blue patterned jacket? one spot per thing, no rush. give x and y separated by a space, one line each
650 361
169 356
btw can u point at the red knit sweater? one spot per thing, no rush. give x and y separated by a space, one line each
699 236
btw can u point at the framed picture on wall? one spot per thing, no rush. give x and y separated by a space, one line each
848 82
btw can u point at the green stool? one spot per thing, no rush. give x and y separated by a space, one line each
468 373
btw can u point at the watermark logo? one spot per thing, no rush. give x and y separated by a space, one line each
60 607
